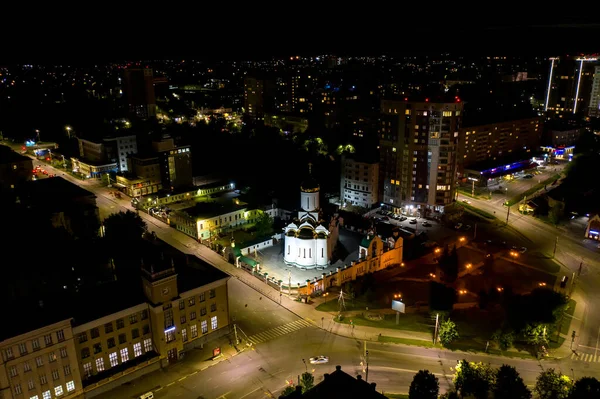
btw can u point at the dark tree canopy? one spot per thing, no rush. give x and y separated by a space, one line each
424 386
475 379
541 306
441 297
586 387
552 385
510 385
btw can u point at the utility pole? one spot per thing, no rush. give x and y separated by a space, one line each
507 212
475 232
580 267
437 318
473 188
367 373
555 245
237 341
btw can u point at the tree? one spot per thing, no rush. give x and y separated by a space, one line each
124 227
448 263
449 395
475 379
441 297
307 381
552 385
510 385
424 386
448 332
540 306
264 225
586 387
288 390
504 338
556 212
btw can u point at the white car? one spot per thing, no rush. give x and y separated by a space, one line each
319 360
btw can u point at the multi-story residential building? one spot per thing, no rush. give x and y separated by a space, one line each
114 341
259 96
109 151
119 148
595 95
498 140
188 307
40 363
139 91
206 220
15 169
175 163
569 87
359 184
145 166
418 154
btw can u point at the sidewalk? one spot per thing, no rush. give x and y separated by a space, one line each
195 361
576 322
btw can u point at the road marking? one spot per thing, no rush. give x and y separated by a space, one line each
182 378
597 341
404 370
250 393
195 372
171 383
278 331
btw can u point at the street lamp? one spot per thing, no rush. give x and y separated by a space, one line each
305 366
367 373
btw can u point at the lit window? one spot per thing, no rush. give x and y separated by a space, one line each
70 386
147 344
114 362
58 390
393 181
213 322
100 364
393 149
194 330
47 395
137 348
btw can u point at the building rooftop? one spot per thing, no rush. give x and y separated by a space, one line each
7 155
339 385
56 188
206 210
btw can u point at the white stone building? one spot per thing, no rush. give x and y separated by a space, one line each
310 240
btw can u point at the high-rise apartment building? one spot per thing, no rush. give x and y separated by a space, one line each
175 163
139 90
569 85
259 96
418 154
498 140
359 184
595 95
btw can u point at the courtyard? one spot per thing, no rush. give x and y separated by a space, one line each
271 260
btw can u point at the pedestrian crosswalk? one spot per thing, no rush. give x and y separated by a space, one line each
278 331
585 357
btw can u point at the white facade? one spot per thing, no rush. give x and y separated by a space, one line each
359 183
125 146
307 239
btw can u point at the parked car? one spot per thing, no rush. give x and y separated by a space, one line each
413 221
467 202
402 218
319 360
426 224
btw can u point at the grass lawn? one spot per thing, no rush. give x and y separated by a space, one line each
545 264
516 199
396 395
408 321
477 211
332 305
407 341
565 323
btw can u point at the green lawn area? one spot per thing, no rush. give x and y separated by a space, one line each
516 199
332 305
396 395
408 321
408 341
566 320
477 211
546 265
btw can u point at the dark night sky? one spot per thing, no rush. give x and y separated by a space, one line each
150 33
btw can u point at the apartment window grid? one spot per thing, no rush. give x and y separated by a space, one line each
87 369
204 326
70 386
26 367
35 344
137 349
120 324
114 361
108 328
58 390
47 395
213 322
194 330
13 371
60 335
63 352
67 368
124 355
133 319
44 380
55 375
148 345
48 339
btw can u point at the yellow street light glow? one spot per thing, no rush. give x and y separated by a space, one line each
468 265
462 239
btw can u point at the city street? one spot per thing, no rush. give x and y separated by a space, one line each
391 366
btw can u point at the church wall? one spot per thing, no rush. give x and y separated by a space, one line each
300 252
355 270
322 252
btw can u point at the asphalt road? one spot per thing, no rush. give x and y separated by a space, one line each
391 366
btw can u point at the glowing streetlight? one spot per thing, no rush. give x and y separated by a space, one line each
468 265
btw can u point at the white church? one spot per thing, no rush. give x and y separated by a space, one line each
310 240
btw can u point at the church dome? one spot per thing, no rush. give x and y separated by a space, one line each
309 185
